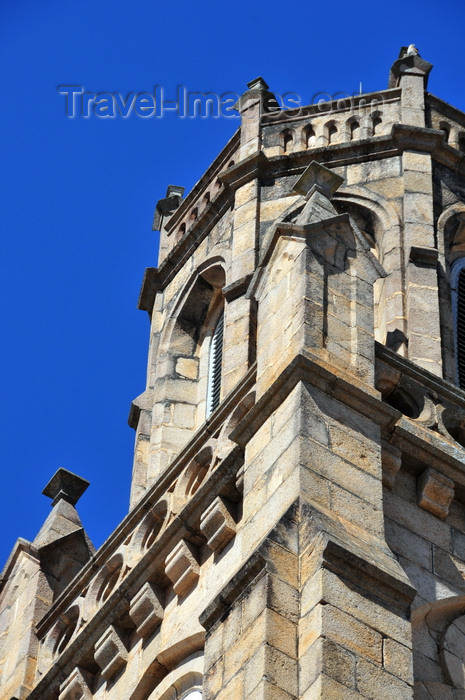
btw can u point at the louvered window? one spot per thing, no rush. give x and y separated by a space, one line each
214 367
458 310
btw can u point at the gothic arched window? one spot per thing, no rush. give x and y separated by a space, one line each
457 283
215 361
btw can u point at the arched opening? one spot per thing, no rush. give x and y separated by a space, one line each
445 128
185 679
451 241
184 353
331 132
354 130
287 140
376 122
308 137
181 231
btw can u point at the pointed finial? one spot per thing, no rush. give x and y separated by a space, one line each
65 485
258 84
316 176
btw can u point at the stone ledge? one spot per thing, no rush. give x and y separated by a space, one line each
151 284
336 383
254 568
237 289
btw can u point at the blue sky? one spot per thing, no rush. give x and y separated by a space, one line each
78 197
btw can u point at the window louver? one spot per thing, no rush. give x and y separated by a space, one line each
460 329
214 367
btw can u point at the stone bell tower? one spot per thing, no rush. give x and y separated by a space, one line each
297 518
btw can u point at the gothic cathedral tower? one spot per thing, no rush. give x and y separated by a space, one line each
297 519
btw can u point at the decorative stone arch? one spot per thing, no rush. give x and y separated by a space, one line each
442 621
60 635
376 122
180 389
193 476
353 128
308 137
445 127
380 224
331 132
451 232
104 583
286 140
184 683
174 673
151 527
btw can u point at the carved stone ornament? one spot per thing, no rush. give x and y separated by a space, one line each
110 652
182 567
218 524
78 686
146 609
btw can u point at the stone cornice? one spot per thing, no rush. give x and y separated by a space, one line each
21 545
403 137
150 566
422 376
206 178
334 381
424 444
132 520
445 109
330 107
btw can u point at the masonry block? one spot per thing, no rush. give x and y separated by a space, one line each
110 652
435 492
78 686
217 524
146 609
182 567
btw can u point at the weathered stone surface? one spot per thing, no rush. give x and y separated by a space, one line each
305 539
110 652
182 567
435 492
78 686
218 524
146 609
